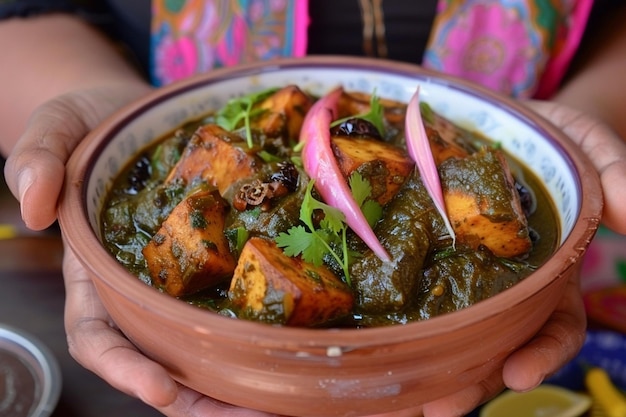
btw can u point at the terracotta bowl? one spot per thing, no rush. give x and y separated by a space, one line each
349 372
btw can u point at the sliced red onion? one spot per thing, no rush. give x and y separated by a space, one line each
418 146
320 164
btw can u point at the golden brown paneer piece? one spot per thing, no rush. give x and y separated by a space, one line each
215 156
483 203
272 287
190 251
385 166
442 149
446 138
285 112
352 103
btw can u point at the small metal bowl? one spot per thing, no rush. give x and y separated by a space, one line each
30 377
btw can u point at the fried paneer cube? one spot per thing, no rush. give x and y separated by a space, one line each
354 102
190 251
385 166
215 156
483 204
442 149
284 112
272 287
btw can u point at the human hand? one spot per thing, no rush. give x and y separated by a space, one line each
35 173
97 344
558 342
92 336
605 149
562 336
35 168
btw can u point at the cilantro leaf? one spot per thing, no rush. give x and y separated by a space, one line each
295 241
427 112
375 115
240 110
372 211
361 188
313 243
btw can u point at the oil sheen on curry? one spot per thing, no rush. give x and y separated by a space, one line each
291 209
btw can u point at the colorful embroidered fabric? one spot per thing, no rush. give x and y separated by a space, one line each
519 47
193 36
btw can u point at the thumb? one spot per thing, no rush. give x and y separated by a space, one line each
35 169
606 150
36 179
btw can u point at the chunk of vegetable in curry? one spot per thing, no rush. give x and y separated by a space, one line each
198 215
190 251
272 287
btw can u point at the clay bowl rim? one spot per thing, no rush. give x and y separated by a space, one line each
91 253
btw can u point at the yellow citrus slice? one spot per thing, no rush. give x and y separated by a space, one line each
544 401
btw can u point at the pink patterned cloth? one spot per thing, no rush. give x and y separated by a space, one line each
518 47
193 36
521 48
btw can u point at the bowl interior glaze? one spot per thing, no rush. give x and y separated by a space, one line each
309 372
471 108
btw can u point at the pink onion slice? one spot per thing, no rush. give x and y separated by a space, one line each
320 164
418 146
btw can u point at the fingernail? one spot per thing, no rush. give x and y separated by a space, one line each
25 180
533 386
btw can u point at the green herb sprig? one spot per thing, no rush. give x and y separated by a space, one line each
240 110
375 115
315 244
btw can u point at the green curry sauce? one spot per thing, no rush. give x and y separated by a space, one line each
139 201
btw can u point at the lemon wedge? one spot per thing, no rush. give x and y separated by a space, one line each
7 231
544 401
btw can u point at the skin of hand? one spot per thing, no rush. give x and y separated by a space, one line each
81 77
596 84
34 172
563 335
96 343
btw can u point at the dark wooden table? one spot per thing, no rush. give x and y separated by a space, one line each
32 298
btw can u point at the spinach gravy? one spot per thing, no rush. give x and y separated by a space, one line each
222 214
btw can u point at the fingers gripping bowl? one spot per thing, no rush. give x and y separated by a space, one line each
328 372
